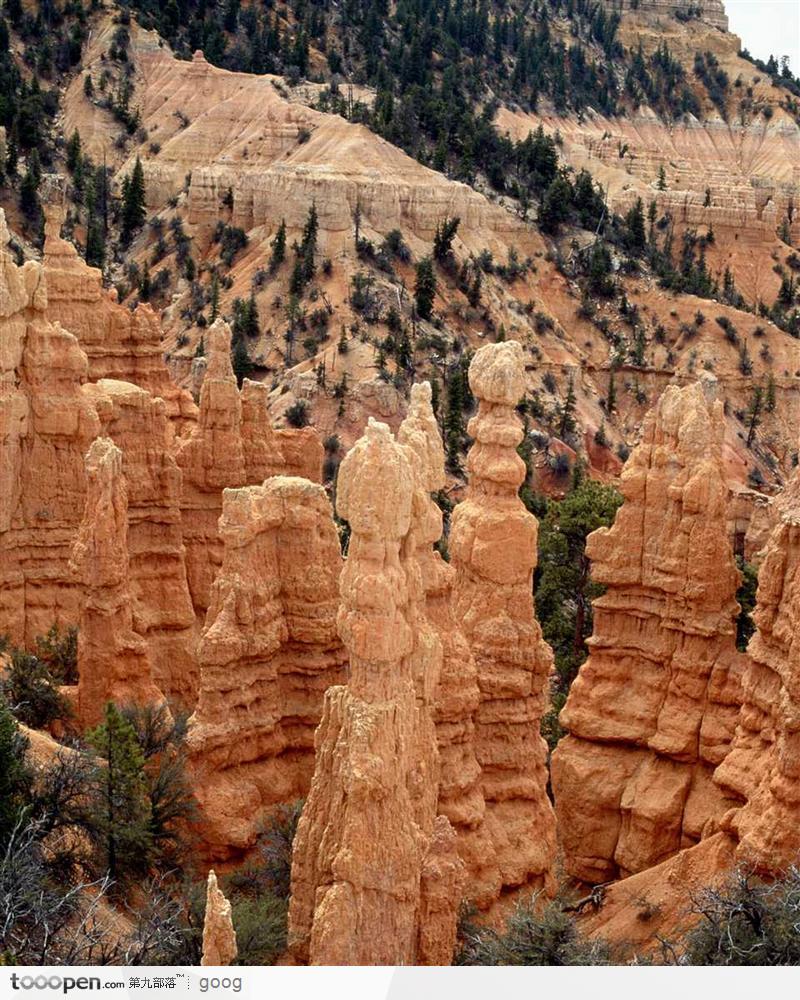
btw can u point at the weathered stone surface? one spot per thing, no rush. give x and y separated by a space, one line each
653 709
119 344
763 766
162 608
457 695
711 11
113 664
219 937
365 873
267 654
232 445
211 458
46 426
493 543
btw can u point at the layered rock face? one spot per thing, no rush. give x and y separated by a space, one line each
711 11
219 937
211 459
267 654
653 709
46 426
763 766
493 545
376 878
232 445
162 608
113 664
119 344
456 695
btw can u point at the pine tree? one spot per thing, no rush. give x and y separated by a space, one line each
769 404
13 773
95 244
662 178
133 201
12 155
120 808
754 413
611 399
567 423
240 361
425 289
29 189
636 237
73 151
278 245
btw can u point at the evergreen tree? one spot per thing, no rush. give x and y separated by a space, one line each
29 195
769 403
443 239
120 808
278 245
555 205
635 237
425 288
12 155
662 178
754 413
133 201
14 777
240 361
564 589
73 151
567 425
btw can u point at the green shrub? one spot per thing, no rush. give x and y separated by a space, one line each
59 651
534 935
261 927
32 691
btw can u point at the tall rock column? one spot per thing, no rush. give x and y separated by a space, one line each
763 767
162 608
493 544
211 458
457 695
46 426
267 654
653 709
368 883
113 664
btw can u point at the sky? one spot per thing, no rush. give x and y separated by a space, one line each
768 27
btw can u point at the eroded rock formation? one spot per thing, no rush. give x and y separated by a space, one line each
493 544
162 609
456 694
763 766
211 459
653 709
376 878
232 445
46 426
710 11
219 937
113 664
267 654
119 343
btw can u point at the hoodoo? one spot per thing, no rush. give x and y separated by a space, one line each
113 664
267 654
369 870
493 542
653 709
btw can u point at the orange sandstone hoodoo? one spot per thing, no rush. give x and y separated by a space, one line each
267 654
493 543
113 663
653 709
376 878
763 766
